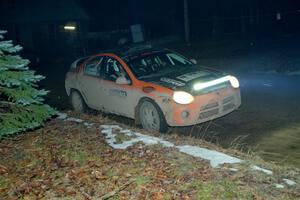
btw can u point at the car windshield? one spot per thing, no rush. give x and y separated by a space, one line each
156 63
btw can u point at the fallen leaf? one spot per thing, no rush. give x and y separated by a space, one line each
3 169
157 196
99 175
256 197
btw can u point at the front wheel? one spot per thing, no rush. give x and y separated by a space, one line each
151 117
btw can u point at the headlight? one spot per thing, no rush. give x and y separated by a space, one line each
182 97
234 82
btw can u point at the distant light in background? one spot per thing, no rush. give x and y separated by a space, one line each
278 16
71 28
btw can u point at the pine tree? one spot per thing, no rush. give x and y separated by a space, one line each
21 101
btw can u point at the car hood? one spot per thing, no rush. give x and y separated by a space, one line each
185 78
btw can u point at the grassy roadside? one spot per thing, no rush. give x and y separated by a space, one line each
66 160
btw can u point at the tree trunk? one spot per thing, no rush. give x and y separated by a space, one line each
186 21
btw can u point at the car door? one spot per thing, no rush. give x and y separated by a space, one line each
118 98
90 82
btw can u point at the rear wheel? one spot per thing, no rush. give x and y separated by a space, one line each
151 117
77 102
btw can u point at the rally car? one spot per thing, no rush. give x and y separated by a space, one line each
156 87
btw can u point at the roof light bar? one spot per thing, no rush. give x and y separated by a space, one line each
232 79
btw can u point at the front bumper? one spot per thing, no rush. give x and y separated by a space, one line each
204 108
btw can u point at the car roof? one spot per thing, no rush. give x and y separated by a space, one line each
132 51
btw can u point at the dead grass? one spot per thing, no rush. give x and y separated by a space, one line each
65 160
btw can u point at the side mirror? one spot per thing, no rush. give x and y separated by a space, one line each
193 60
122 81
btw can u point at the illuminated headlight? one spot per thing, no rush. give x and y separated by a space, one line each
183 97
234 82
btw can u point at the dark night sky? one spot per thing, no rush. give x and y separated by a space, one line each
167 16
216 19
163 16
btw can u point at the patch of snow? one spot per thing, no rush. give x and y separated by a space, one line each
111 127
233 169
72 119
61 115
127 132
108 130
279 186
88 125
153 140
267 84
216 158
289 182
294 73
64 116
257 168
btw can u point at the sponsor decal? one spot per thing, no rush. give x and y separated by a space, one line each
115 92
172 81
192 75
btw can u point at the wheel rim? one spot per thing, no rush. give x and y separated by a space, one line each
77 102
149 117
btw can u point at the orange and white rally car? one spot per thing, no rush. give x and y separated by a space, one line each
156 87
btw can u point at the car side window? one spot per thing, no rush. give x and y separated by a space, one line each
112 70
92 67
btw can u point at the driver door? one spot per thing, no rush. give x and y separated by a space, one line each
117 98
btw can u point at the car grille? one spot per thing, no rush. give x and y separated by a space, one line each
210 105
212 109
209 113
228 103
228 99
228 107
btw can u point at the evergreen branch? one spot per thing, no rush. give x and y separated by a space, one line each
7 103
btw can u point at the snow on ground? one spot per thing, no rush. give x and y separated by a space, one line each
111 131
72 119
289 182
88 125
279 186
233 169
214 157
257 168
293 73
64 116
61 115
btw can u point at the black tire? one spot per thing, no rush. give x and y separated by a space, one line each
151 116
77 102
